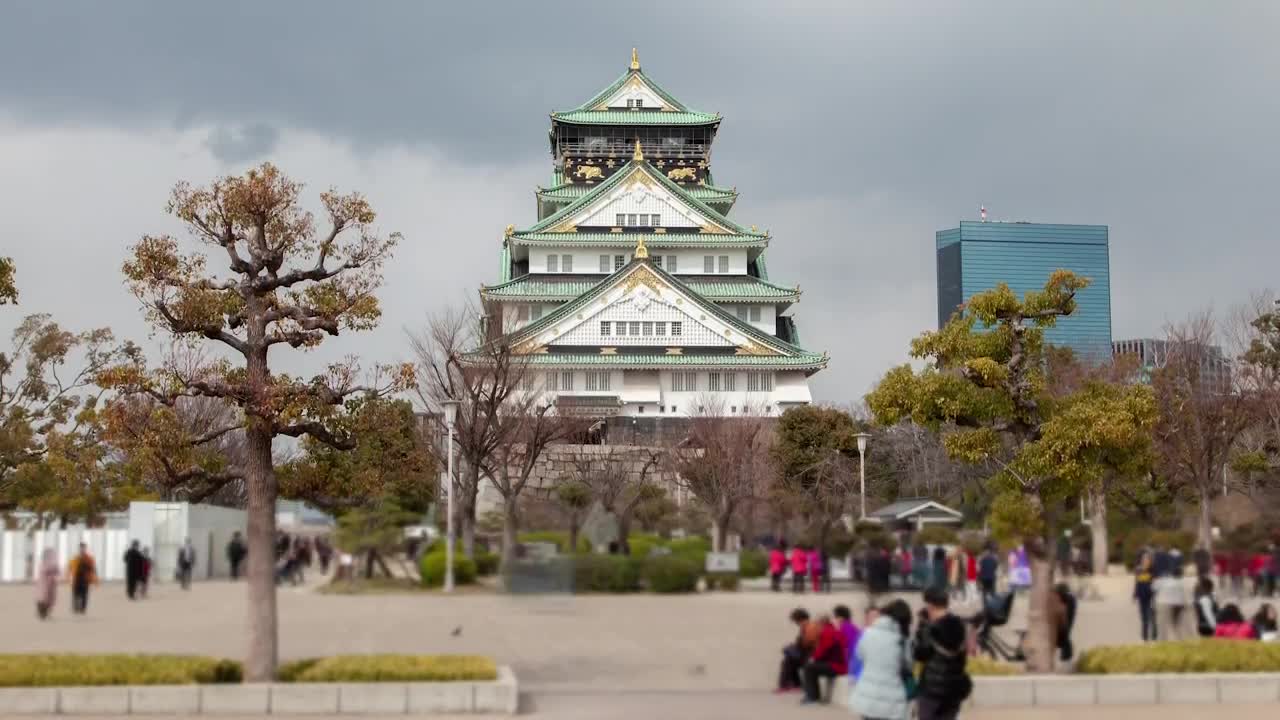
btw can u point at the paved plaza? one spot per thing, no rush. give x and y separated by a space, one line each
716 653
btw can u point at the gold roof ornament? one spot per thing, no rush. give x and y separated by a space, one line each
635 59
509 231
642 252
638 155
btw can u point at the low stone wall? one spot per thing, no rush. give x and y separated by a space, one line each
1066 690
499 696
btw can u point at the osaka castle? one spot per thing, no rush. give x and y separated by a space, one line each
634 293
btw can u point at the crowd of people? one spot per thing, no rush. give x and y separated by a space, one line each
881 658
1167 613
293 555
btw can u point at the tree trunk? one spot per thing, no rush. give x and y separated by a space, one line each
624 530
465 510
1040 642
1098 531
574 523
1206 518
260 479
720 533
510 528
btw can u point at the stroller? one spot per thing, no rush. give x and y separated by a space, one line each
996 609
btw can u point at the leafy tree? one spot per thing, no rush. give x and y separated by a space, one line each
374 531
388 461
816 453
8 284
40 399
283 283
984 387
575 498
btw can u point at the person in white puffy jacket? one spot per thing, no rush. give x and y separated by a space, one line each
884 652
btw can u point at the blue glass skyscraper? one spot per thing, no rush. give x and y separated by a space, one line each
978 255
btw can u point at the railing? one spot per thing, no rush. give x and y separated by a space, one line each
624 149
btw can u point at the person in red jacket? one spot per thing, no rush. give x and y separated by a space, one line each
970 575
799 567
830 659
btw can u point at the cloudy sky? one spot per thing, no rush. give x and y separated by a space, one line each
853 130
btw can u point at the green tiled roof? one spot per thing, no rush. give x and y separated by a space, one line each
588 114
654 241
567 287
738 235
635 117
746 329
806 361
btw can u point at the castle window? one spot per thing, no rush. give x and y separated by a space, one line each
622 329
635 328
657 260
619 261
708 264
713 382
655 220
522 313
759 382
604 263
730 382
648 329
537 312
660 328
755 313
741 312
553 263
621 219
604 328
566 263
566 380
671 263
644 219
597 380
724 264
676 327
631 219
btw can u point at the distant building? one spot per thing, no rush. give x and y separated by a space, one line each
979 255
1153 354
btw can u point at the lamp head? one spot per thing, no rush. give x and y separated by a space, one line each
862 441
450 412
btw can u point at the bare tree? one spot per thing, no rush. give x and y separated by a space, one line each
527 427
1201 417
621 479
460 361
721 462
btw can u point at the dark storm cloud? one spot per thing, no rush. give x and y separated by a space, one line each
242 145
853 130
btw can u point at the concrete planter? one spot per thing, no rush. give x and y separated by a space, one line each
500 696
1071 690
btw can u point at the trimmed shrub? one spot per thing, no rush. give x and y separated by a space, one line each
672 574
487 564
559 538
1191 656
606 573
726 583
389 668
981 665
694 545
55 670
642 544
753 564
431 568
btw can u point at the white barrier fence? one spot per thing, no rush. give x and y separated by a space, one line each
20 551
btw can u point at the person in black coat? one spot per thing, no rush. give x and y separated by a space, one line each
940 647
135 568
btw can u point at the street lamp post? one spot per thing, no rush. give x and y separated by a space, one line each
450 417
862 472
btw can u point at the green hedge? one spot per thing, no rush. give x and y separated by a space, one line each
560 539
487 563
432 564
672 574
54 670
642 544
692 546
719 581
1140 537
606 573
753 564
388 668
1192 656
